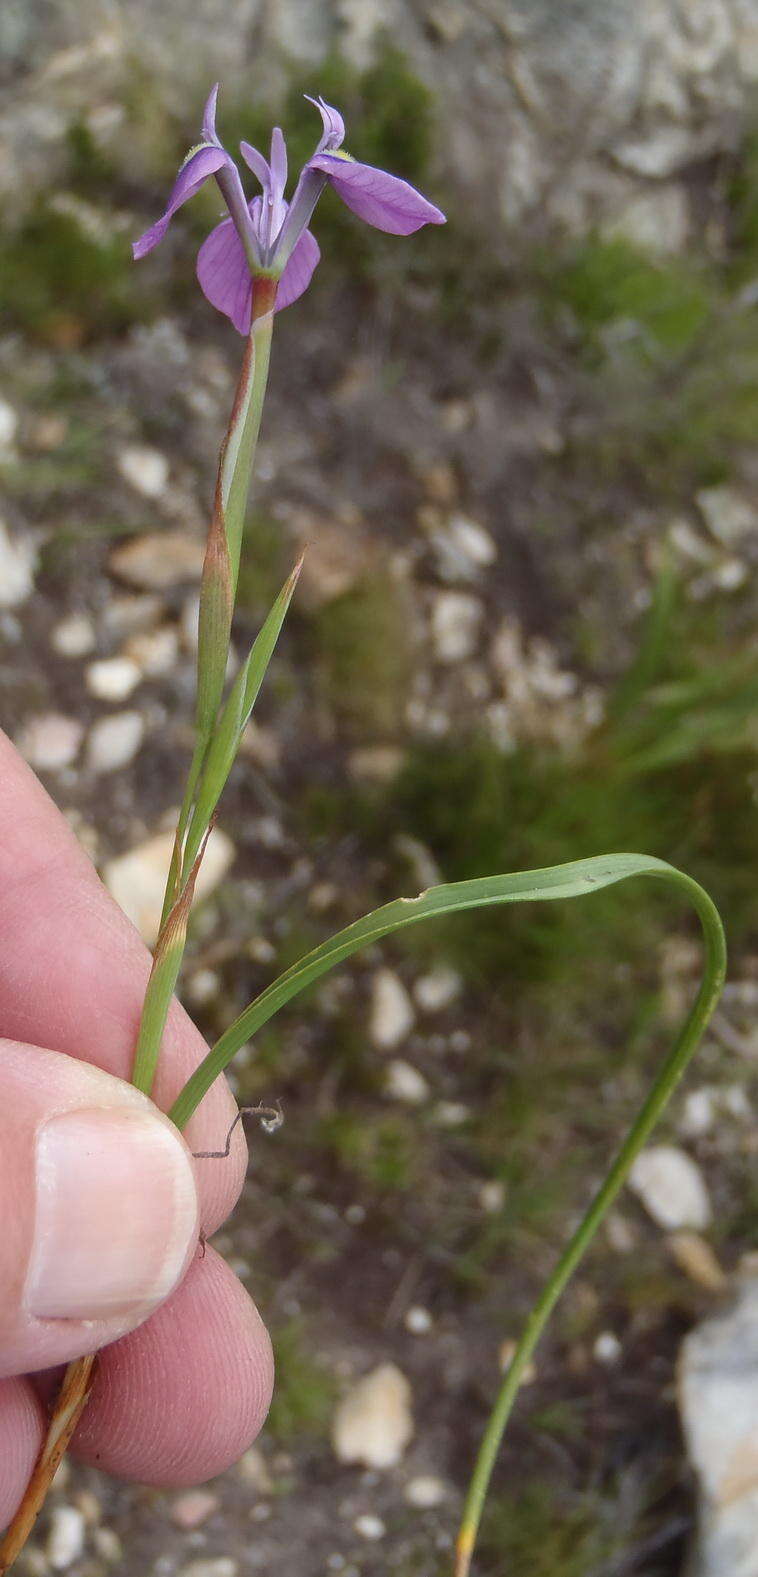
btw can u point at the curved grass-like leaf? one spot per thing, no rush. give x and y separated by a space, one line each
576 879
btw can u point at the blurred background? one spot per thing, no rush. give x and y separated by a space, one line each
521 450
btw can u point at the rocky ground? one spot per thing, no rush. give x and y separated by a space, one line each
523 464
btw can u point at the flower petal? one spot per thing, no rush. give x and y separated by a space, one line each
256 162
201 163
224 275
298 272
209 116
383 200
334 126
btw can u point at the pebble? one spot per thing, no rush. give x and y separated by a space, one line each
127 615
607 1348
74 636
146 470
728 515
194 1508
456 623
424 1492
159 560
403 1082
155 652
391 1016
718 1400
18 561
112 678
137 879
65 1540
114 741
435 992
705 1107
8 426
505 1357
217 1566
108 1544
696 1258
463 549
369 1526
253 1470
491 1196
670 1186
50 742
203 987
418 1320
451 1114
373 1424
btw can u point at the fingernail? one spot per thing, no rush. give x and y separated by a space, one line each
116 1212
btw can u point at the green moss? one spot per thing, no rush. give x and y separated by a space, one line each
612 281
60 283
363 655
381 1149
304 1392
537 1534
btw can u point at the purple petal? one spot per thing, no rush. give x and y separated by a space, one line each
224 275
298 272
209 116
334 126
256 162
195 170
278 161
383 200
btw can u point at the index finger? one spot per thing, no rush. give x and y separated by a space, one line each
73 972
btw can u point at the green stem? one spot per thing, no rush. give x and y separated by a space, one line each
232 487
668 1078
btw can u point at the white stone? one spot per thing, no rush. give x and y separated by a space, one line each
456 623
492 1196
391 1016
373 1424
194 1508
203 987
8 425
112 678
137 879
418 1320
728 515
436 991
451 1114
369 1527
113 742
463 548
607 1348
670 1186
217 1566
50 741
127 615
159 560
65 1541
718 1399
18 561
74 636
155 652
424 1492
404 1083
146 470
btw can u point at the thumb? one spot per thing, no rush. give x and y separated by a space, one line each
98 1205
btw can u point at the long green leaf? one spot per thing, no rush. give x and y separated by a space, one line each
576 879
579 878
235 716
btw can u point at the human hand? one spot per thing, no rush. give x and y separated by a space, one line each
100 1200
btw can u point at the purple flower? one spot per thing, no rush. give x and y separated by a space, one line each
269 238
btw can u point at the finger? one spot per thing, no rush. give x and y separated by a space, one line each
181 1398
98 1205
74 971
21 1427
